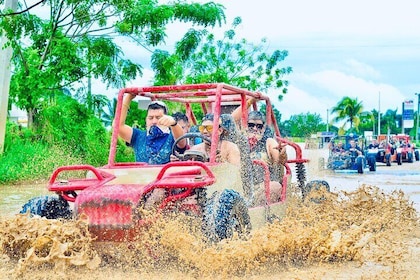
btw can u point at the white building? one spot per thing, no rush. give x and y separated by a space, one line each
18 116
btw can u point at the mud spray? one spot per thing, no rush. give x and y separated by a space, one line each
365 228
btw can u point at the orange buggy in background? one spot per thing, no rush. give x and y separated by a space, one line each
403 150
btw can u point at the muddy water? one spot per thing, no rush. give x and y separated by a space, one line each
405 177
366 228
12 197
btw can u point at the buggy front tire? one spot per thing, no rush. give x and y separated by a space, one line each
50 207
224 214
372 163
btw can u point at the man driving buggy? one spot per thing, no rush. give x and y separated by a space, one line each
153 145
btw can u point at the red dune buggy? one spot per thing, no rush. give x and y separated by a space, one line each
109 197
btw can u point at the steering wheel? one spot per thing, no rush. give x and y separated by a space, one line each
191 155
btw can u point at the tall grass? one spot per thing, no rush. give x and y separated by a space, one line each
27 158
32 161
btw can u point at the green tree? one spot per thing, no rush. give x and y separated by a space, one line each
76 41
348 110
389 121
303 125
201 58
367 121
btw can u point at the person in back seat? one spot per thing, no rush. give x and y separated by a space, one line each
265 148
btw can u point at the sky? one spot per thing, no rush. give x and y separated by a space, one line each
364 49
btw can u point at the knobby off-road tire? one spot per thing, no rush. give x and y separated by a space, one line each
410 157
372 163
316 185
50 207
225 213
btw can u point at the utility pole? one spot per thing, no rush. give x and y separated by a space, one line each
5 57
417 125
379 114
328 125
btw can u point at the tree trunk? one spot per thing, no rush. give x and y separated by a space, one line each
30 118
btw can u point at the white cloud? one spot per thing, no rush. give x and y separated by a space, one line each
320 91
352 66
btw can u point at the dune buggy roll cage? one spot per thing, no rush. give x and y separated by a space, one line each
211 97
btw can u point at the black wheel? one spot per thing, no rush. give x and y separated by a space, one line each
388 160
416 155
359 164
316 185
410 157
372 164
224 214
50 207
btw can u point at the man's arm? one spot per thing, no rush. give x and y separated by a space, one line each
237 113
177 132
125 132
176 129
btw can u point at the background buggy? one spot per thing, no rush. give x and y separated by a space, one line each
346 161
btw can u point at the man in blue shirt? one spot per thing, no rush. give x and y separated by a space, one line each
153 145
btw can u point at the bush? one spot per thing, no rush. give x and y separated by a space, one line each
64 133
32 161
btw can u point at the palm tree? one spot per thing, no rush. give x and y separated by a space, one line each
390 119
367 121
348 110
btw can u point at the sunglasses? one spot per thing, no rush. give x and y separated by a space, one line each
258 125
209 128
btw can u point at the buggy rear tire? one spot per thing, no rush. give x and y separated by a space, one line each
50 207
224 214
372 163
410 157
316 185
416 155
359 167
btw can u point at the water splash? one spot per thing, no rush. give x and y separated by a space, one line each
364 226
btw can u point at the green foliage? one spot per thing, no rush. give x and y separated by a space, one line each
53 55
303 125
367 121
389 121
76 42
349 111
30 157
26 158
200 58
